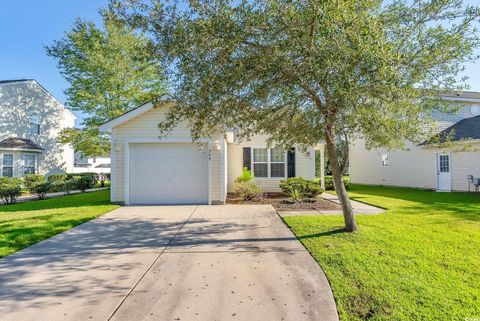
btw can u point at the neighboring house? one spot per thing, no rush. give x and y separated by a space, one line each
147 169
30 121
98 164
422 165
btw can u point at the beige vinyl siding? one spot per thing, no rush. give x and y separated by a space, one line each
304 164
146 126
413 168
464 164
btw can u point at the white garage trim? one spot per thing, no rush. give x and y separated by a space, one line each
129 141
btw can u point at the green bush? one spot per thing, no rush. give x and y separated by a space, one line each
65 186
32 179
84 182
41 189
57 177
246 176
329 183
298 188
247 190
10 189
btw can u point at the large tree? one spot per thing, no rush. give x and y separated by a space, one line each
309 71
110 70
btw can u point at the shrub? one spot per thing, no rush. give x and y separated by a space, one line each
298 188
32 179
330 186
57 177
65 186
84 182
246 176
10 189
247 190
41 189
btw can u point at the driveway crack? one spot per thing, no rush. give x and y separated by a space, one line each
151 265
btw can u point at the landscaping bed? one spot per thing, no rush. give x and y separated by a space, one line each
281 202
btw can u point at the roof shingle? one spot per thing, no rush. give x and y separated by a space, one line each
19 143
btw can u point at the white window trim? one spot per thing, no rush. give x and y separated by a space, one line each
12 166
268 162
34 164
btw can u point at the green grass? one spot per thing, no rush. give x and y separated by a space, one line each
24 224
418 261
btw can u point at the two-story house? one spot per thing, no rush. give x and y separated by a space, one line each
97 164
444 167
30 122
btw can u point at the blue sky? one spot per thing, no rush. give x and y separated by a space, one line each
26 26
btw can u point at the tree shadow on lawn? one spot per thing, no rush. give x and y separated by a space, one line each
416 201
325 233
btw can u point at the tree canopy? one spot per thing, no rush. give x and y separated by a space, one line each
310 71
110 70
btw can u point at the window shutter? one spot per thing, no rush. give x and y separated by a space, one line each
291 162
247 158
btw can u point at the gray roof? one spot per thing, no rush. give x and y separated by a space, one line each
13 80
19 143
468 128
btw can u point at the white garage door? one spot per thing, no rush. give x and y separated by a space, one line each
167 173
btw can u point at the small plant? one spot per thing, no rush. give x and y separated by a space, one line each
84 182
41 189
32 179
247 190
246 176
65 186
10 189
329 186
299 188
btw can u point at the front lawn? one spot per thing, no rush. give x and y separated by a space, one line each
24 224
418 261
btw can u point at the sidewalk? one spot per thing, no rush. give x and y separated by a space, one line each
33 197
358 208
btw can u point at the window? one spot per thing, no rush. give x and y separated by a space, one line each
35 124
268 162
444 164
277 162
7 165
29 161
385 160
260 162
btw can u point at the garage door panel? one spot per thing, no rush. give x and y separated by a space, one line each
165 173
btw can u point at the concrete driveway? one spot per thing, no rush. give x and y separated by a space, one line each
229 262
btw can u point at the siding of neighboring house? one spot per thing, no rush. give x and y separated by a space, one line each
146 126
416 166
19 101
304 164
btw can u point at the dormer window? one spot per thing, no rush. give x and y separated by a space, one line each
35 124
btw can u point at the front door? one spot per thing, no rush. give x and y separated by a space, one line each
444 177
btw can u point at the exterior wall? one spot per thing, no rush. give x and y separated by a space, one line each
18 102
415 167
464 164
304 164
145 126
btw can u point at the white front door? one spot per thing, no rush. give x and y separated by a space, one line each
444 175
168 173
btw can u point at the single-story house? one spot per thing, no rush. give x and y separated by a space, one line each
427 166
148 169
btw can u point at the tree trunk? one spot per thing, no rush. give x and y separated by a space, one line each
350 224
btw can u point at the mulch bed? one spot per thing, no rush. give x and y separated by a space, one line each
278 201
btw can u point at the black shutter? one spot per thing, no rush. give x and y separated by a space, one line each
291 163
247 158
